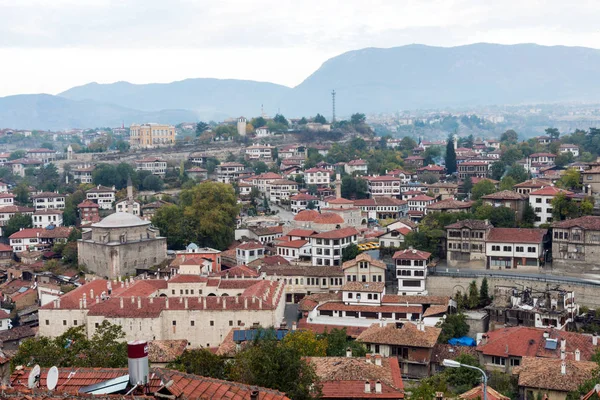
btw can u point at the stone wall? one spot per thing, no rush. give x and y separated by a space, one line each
586 294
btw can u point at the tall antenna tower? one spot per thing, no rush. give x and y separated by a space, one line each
333 105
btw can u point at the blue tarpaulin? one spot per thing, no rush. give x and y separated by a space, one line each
462 341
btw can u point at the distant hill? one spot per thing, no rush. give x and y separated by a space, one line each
43 111
368 80
208 98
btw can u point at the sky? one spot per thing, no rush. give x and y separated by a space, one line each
48 46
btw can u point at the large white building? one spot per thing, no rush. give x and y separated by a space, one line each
44 218
259 152
515 247
411 271
229 172
198 309
317 176
282 190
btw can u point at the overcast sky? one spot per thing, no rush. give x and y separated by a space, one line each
47 46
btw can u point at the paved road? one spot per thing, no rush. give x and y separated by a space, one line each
284 214
290 314
539 274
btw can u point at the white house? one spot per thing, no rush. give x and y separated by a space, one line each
317 176
262 131
411 271
154 165
419 203
5 322
569 148
103 196
83 175
248 252
394 237
48 200
124 206
327 247
282 190
364 268
514 247
44 155
3 187
44 218
7 199
229 172
384 186
541 202
259 152
359 166
294 250
300 202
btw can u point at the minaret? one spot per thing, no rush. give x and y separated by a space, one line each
455 140
129 196
338 186
241 126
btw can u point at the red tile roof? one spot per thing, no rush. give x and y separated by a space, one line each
328 218
421 197
588 222
294 244
505 195
184 278
337 233
301 232
549 191
340 200
250 246
477 393
516 235
411 254
239 271
306 216
407 335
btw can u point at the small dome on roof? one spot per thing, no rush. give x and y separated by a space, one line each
192 246
328 218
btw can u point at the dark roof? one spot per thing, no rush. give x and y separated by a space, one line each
588 222
470 224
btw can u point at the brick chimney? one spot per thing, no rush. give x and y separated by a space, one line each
348 350
368 356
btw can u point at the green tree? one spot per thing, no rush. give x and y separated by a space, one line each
268 364
338 341
226 131
473 295
463 379
319 119
553 133
563 208
47 145
467 185
507 183
509 137
484 295
15 155
518 173
171 222
350 252
453 326
407 143
482 188
280 119
153 182
71 203
450 155
16 222
497 170
528 219
200 362
311 205
122 146
570 180
21 193
306 343
201 127
502 217
358 119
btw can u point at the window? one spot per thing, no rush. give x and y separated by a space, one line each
419 273
531 249
349 295
411 283
507 248
498 360
515 362
74 322
519 249
174 323
212 323
192 323
230 323
538 200
64 322
495 248
47 322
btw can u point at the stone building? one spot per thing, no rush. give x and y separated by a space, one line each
465 243
119 244
576 244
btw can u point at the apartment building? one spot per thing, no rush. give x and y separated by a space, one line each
47 217
541 202
259 152
356 166
151 135
384 185
473 169
44 155
317 176
282 190
229 172
103 196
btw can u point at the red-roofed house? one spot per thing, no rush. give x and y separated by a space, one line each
249 251
419 203
154 165
394 237
294 250
515 247
411 271
359 166
317 176
300 202
38 238
432 169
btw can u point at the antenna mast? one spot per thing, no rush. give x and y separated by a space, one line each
333 105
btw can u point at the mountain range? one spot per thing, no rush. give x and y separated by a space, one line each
369 80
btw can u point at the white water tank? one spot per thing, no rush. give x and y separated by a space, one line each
137 360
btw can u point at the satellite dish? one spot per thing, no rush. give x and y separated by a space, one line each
52 378
34 377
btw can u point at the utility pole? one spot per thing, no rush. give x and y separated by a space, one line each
333 105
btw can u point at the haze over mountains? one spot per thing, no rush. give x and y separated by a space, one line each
368 80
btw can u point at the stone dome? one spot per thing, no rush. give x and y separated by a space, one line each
120 220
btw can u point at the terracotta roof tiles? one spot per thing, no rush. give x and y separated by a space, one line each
407 335
516 235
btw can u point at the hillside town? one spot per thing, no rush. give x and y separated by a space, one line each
354 265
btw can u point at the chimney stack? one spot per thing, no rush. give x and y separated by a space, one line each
294 326
137 361
151 300
132 299
245 303
91 293
84 301
185 303
595 339
563 344
204 303
546 335
563 367
378 386
378 359
254 395
167 303
348 350
367 387
368 356
224 303
80 303
139 302
121 301
577 355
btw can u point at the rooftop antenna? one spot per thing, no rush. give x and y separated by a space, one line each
333 105
52 378
34 377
